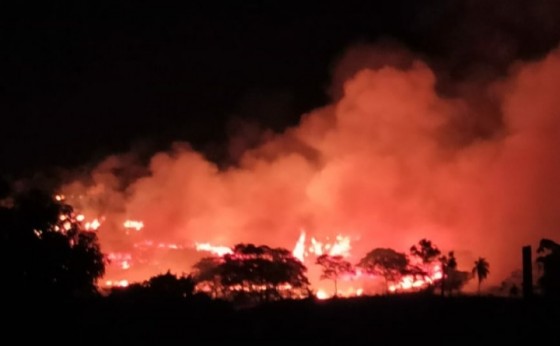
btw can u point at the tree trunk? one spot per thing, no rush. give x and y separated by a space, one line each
335 288
479 286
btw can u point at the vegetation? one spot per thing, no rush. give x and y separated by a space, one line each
549 261
385 262
45 252
481 270
253 273
426 251
333 267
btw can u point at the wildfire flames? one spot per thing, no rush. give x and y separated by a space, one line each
340 247
389 162
305 248
215 250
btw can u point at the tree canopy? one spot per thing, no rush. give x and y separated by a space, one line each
333 267
385 262
45 250
481 270
258 272
426 251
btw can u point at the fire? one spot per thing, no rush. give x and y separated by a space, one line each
350 292
171 246
299 249
216 250
340 247
411 282
133 224
92 225
116 283
80 217
125 265
321 294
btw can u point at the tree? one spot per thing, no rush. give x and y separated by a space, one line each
333 267
171 286
385 262
257 272
45 250
207 277
481 270
451 278
549 261
448 265
426 251
159 288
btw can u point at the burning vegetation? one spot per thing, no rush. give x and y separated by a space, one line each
390 161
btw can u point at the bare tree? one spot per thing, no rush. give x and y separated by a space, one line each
333 268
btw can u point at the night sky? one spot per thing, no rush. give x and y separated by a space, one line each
80 82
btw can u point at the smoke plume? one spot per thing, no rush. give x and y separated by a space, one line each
389 162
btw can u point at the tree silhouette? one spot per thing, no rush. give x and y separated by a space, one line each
333 267
481 270
257 272
452 279
549 261
160 288
207 276
44 249
170 285
448 263
385 262
426 251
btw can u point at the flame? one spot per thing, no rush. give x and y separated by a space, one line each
299 249
171 246
322 295
411 282
341 247
134 224
216 250
116 283
80 217
92 225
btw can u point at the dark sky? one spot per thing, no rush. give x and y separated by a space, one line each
80 81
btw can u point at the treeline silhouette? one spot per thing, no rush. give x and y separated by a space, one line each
46 252
47 258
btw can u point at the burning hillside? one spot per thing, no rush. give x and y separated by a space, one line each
390 162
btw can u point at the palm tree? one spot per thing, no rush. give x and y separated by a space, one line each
481 269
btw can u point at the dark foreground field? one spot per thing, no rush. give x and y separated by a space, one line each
361 321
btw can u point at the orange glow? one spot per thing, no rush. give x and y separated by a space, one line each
388 162
216 250
93 225
322 295
133 224
116 283
340 247
80 217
